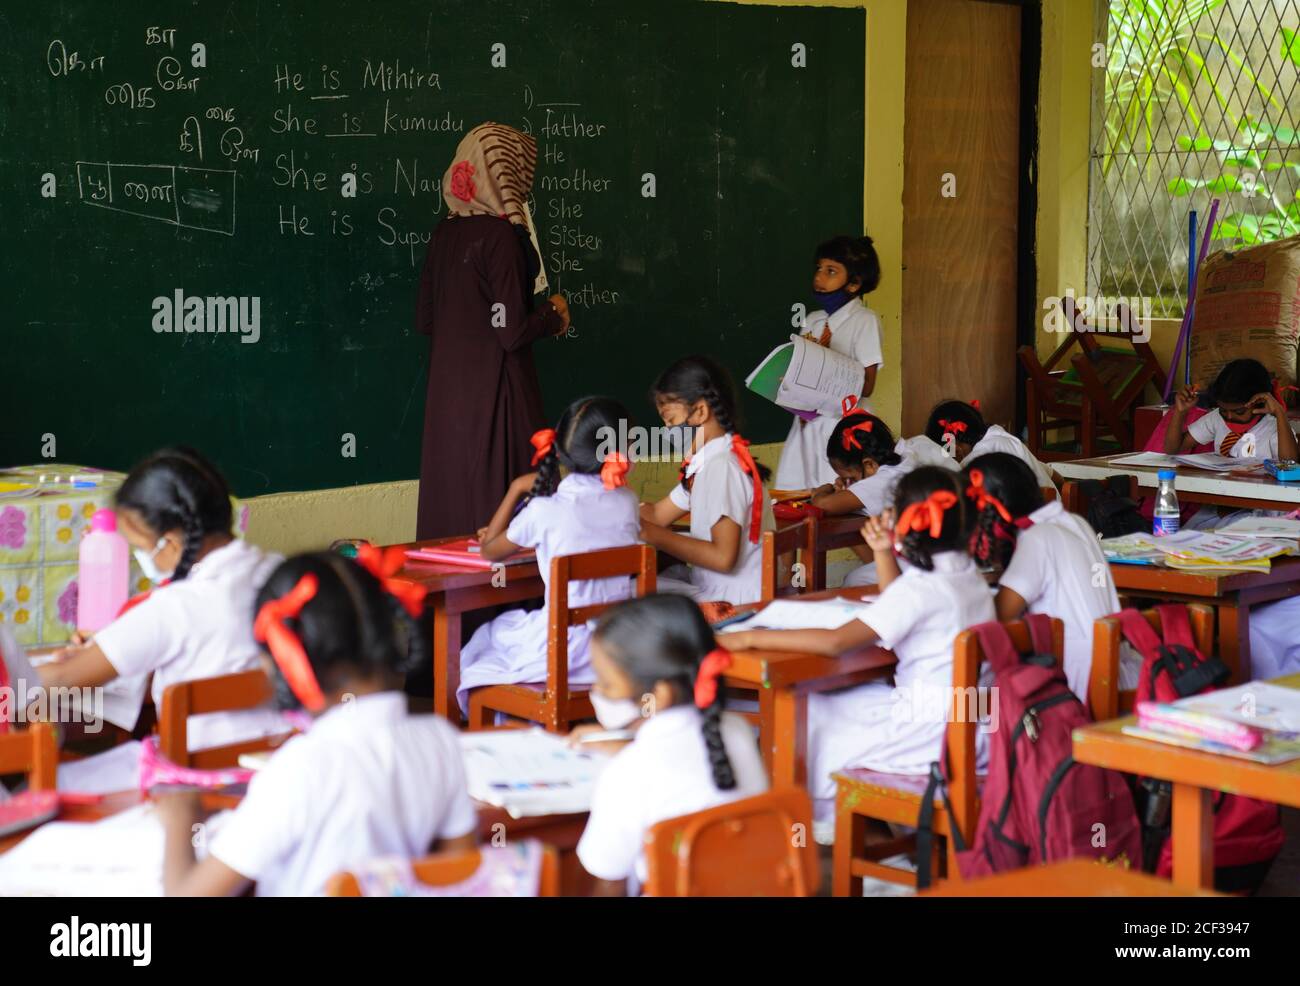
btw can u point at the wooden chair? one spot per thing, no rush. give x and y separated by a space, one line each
225 693
1096 397
448 868
868 794
554 704
755 847
33 751
776 545
1105 699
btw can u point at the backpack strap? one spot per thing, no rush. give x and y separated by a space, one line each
1175 626
996 645
1138 632
938 784
1040 632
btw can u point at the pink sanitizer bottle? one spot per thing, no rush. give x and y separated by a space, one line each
103 570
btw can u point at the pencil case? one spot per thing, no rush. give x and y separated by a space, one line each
1283 470
157 771
1184 722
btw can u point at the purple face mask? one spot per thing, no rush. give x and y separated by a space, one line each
832 301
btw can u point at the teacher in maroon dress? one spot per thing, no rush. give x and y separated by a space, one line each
482 269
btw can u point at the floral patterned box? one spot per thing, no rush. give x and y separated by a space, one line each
43 515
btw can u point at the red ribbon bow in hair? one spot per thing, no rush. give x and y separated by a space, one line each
975 404
983 498
543 441
849 406
849 440
715 662
741 449
1280 391
284 645
952 427
928 513
384 564
613 473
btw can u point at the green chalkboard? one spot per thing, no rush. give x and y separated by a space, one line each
227 180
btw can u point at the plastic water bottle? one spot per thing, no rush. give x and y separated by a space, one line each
1166 512
103 569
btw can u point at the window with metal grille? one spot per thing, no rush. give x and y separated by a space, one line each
1198 100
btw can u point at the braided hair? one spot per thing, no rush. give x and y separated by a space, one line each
178 489
959 411
1014 485
876 444
699 378
857 256
664 637
918 547
351 628
587 430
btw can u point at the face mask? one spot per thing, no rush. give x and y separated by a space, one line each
614 713
145 559
832 301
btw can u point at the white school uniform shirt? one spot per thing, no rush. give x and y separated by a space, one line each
924 452
879 727
1260 441
998 439
876 492
1054 570
663 773
368 779
721 488
855 332
199 627
580 516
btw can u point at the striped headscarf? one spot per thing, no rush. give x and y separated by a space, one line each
491 175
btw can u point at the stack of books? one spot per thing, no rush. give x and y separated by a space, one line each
1259 721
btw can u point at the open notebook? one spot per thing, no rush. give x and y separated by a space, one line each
530 771
790 614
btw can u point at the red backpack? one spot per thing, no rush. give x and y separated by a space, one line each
1038 804
1248 833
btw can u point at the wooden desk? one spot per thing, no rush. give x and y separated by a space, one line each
785 679
1253 492
560 831
1231 594
454 590
1195 776
844 531
1070 878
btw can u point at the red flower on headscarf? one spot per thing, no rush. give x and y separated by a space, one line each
462 181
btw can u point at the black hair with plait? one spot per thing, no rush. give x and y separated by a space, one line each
857 256
698 378
955 411
664 637
351 628
587 428
1237 383
178 489
1014 485
876 444
917 546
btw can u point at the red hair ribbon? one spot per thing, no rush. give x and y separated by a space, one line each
715 662
613 473
543 441
927 514
741 449
975 404
1280 390
269 628
983 498
849 406
952 427
849 440
384 564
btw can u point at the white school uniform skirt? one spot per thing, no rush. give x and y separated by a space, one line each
511 650
803 464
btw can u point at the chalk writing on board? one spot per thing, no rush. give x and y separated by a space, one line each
195 198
